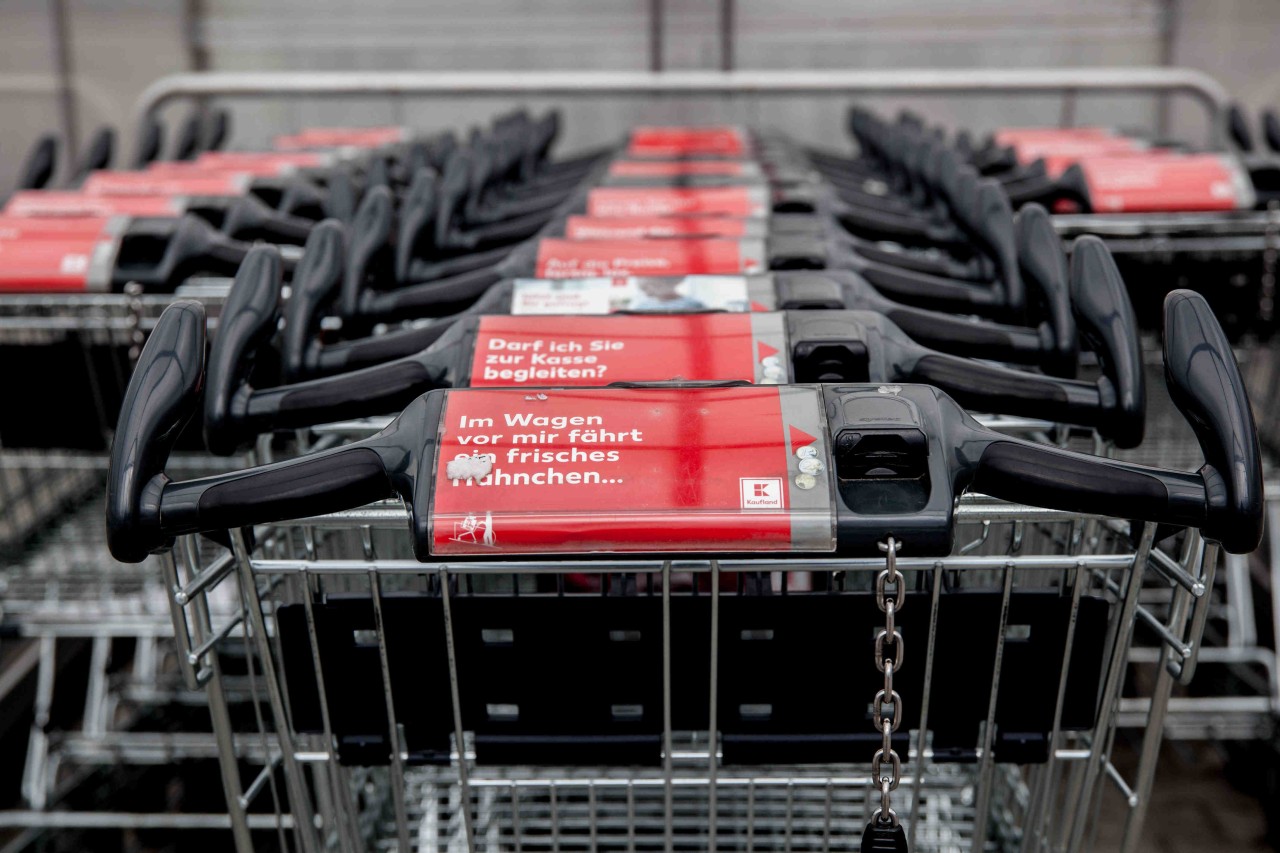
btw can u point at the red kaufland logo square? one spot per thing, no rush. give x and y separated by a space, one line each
761 492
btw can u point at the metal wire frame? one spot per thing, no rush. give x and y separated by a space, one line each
471 807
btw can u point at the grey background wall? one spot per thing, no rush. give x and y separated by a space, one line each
113 48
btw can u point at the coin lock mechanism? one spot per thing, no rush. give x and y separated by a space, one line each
824 348
881 453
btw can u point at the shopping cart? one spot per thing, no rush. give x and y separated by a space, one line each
334 620
685 703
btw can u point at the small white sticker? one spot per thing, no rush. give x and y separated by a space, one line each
761 492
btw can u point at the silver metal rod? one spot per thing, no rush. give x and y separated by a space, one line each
713 727
299 797
668 803
413 567
459 732
983 805
901 81
1111 686
28 819
393 727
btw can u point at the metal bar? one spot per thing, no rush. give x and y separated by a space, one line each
348 832
393 727
220 720
27 819
299 797
1110 693
726 35
61 44
925 699
713 726
1200 610
337 567
1198 85
655 35
668 801
983 804
455 696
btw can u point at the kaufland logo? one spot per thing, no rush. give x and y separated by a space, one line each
761 492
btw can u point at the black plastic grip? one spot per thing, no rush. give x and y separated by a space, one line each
40 164
326 482
432 298
375 349
1205 385
247 322
381 389
150 143
974 339
418 212
163 393
987 388
992 227
314 283
1045 476
1105 317
934 292
1044 270
247 218
370 251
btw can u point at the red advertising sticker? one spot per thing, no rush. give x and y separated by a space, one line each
682 168
1190 182
1015 135
678 201
533 350
179 171
49 203
632 470
71 265
60 227
558 258
639 227
1061 150
671 142
145 183
248 159
340 137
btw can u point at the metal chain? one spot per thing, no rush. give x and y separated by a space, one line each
891 594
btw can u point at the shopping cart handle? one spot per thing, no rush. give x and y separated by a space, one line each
1043 265
990 223
342 198
1271 130
370 254
418 210
900 455
188 144
248 320
316 279
97 156
248 218
150 143
163 393
217 131
1223 499
1204 382
1106 320
1238 129
41 162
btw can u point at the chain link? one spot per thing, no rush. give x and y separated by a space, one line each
891 594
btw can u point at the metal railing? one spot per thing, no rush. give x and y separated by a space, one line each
1065 82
